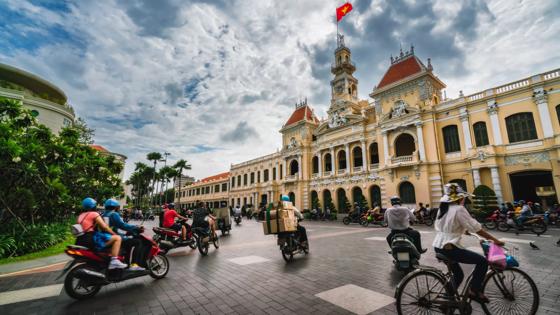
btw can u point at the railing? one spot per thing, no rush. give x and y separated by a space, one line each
512 86
327 173
291 177
341 172
475 97
314 175
343 63
402 159
551 75
374 166
357 169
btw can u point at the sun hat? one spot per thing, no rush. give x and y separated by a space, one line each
455 192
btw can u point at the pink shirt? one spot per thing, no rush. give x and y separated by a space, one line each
87 220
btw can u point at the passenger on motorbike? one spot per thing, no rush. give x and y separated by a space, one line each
526 213
169 221
203 218
91 222
398 219
114 220
301 231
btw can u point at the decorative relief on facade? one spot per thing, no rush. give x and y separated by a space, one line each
540 96
336 120
399 109
492 106
526 159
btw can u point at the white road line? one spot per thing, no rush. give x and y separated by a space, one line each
356 299
247 260
30 294
376 238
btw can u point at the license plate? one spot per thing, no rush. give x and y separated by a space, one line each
402 256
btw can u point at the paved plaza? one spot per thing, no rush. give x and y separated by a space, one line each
347 272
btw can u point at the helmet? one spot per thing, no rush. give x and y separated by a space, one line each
171 206
111 204
395 200
521 202
285 198
89 203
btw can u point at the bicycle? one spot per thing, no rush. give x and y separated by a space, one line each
510 291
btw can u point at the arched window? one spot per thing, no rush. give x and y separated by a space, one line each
239 180
294 167
460 182
245 180
357 157
328 162
451 139
341 160
404 145
252 177
315 162
374 153
558 112
375 196
480 134
406 192
265 176
281 169
233 182
274 173
521 127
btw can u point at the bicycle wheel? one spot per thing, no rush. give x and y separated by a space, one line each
510 292
423 292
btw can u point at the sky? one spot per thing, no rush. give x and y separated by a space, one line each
212 82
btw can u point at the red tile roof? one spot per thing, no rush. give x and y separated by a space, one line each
215 177
98 148
302 113
400 70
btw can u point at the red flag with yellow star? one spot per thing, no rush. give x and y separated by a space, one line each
343 10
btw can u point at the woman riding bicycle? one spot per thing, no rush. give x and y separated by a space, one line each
453 220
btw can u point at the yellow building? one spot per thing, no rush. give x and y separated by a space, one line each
409 141
211 190
48 103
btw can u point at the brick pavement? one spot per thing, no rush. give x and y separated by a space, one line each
340 255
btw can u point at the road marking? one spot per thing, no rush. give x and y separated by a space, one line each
30 294
247 260
376 238
53 267
356 299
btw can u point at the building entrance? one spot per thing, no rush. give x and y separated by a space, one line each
525 184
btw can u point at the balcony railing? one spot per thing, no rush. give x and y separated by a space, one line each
327 173
402 159
341 172
374 166
291 177
315 175
357 169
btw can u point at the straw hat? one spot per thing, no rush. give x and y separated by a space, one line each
455 192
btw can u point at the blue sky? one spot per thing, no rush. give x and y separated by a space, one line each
213 81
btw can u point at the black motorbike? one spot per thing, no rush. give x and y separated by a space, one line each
353 218
203 238
290 245
237 219
405 255
224 225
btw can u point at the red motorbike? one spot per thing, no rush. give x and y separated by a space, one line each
88 272
492 221
168 239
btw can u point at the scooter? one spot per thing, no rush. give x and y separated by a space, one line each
88 272
224 226
169 239
237 219
376 219
203 238
352 218
290 245
536 224
405 255
491 222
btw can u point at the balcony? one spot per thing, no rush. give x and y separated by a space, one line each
374 166
357 169
341 172
402 159
327 173
314 175
291 178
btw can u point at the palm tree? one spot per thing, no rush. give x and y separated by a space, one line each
179 167
154 156
165 173
138 178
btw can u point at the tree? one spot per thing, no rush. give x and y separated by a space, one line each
155 157
180 166
362 202
86 133
316 203
166 173
484 202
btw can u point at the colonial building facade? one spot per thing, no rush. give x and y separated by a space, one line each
410 140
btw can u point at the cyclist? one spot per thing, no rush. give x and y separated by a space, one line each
398 219
453 220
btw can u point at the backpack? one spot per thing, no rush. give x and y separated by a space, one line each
77 229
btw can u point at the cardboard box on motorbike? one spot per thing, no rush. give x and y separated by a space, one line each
279 219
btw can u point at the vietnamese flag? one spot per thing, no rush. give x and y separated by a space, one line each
343 10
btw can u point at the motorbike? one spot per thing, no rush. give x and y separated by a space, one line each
237 219
405 255
536 224
224 225
169 239
376 219
491 222
150 216
426 218
352 218
203 238
290 245
88 272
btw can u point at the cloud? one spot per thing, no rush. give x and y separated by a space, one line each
240 133
213 81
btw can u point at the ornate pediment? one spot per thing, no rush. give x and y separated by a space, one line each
400 109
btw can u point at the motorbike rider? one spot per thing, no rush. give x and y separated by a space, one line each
91 223
132 246
169 221
237 212
398 219
526 213
301 231
203 218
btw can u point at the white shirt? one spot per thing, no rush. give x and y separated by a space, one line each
453 225
398 218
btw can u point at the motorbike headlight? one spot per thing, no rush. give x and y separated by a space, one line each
403 256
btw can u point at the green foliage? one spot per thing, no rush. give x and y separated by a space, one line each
484 202
315 203
45 176
330 204
362 202
36 237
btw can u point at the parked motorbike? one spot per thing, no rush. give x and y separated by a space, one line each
536 224
353 218
169 239
203 237
87 273
491 222
405 255
290 245
376 219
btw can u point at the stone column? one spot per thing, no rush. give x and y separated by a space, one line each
364 156
540 98
284 172
320 160
385 148
347 151
476 177
496 183
300 168
333 161
420 135
464 116
493 112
